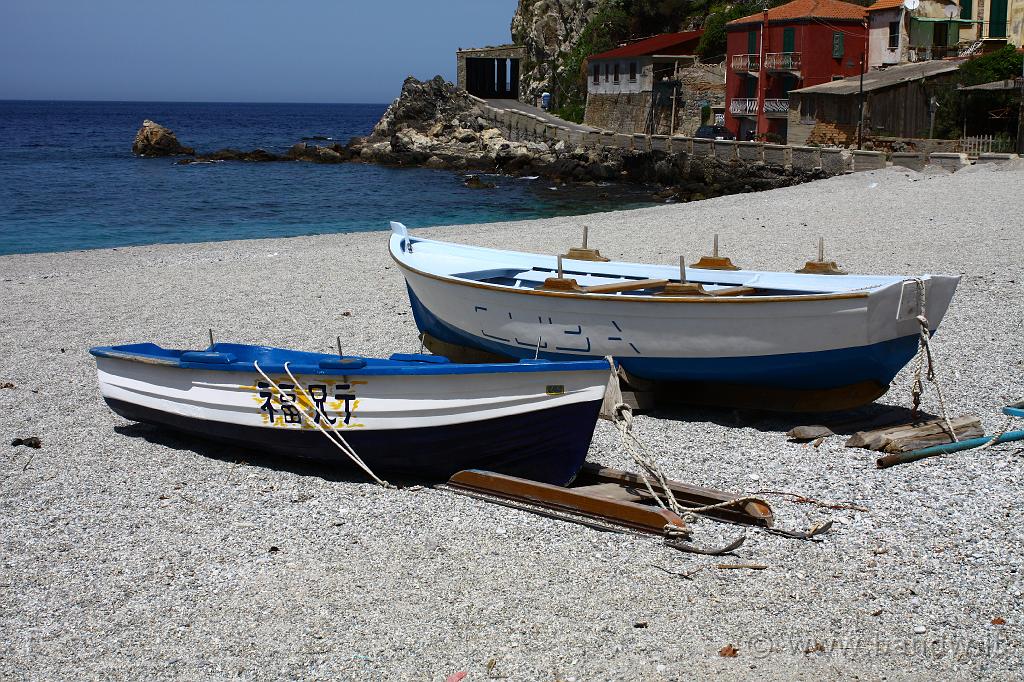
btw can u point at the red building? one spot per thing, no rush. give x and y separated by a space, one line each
796 45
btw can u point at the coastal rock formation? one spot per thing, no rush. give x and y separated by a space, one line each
301 151
434 124
548 29
155 140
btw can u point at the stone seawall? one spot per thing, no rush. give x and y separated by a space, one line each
523 127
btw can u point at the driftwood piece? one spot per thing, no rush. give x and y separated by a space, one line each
906 437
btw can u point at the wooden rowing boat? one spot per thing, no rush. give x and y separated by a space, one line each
742 337
417 415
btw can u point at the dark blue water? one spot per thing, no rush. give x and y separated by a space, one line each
68 179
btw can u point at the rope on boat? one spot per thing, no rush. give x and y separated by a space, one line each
924 351
333 436
622 417
648 469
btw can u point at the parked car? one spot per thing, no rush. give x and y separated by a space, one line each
714 133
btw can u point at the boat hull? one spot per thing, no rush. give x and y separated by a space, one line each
517 420
809 370
549 445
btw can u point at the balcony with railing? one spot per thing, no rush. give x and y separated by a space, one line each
746 63
747 106
776 107
782 61
924 53
743 106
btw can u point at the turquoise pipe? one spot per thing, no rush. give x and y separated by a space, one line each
914 455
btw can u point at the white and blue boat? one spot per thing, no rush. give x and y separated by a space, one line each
416 415
774 340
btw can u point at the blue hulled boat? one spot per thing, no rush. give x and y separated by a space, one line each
416 415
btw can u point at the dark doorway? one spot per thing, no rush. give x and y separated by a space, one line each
492 78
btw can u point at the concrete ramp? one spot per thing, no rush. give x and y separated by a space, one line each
516 105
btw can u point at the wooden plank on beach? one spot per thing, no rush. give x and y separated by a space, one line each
907 437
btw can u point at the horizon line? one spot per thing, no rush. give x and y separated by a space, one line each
176 101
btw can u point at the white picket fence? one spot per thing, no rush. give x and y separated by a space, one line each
982 144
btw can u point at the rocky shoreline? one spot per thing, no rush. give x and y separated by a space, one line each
434 124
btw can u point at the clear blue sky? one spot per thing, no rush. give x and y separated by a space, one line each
236 50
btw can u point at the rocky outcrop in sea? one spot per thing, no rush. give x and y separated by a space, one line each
155 140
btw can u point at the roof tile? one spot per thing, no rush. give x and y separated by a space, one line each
885 4
654 45
807 9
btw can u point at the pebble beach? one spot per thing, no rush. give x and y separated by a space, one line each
130 552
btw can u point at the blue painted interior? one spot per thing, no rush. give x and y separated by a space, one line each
817 370
234 357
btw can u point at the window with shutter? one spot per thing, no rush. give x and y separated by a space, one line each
997 19
837 45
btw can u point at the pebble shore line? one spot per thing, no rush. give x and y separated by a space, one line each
127 552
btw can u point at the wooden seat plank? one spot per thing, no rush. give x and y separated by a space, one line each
733 291
631 285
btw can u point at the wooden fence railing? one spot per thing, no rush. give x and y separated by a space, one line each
984 144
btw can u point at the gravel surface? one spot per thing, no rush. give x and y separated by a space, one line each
130 552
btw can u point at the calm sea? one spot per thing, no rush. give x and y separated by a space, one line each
68 179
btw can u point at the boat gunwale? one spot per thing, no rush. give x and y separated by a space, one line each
634 298
411 369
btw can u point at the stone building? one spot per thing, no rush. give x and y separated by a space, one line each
932 30
656 86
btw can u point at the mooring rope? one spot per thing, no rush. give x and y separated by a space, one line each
334 437
648 469
924 351
621 415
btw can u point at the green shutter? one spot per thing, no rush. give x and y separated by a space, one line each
966 8
837 45
751 42
789 39
997 19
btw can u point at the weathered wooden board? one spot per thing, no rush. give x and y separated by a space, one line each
907 437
